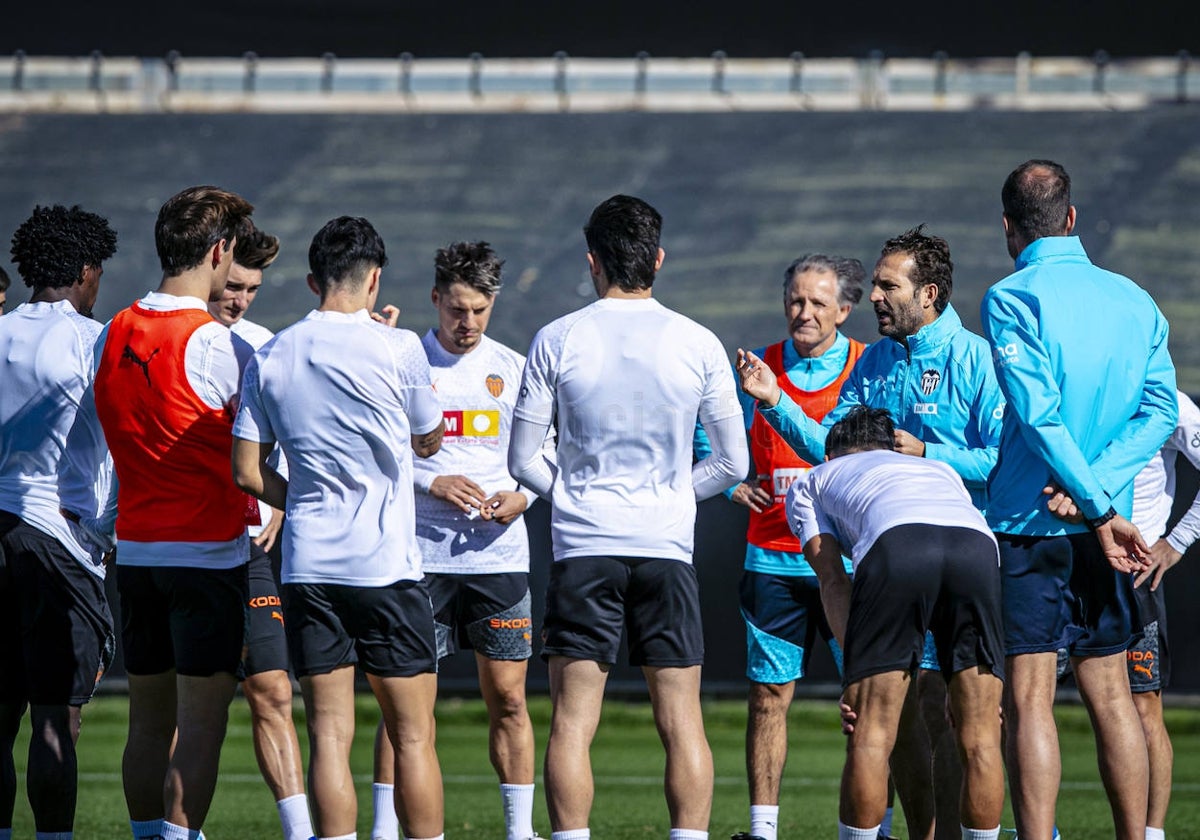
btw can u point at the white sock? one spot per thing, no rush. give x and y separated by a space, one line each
688 834
146 829
518 811
387 824
170 831
293 816
980 833
353 835
439 837
846 832
885 827
573 834
764 821
1151 834
53 835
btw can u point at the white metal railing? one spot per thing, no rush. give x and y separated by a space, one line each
97 83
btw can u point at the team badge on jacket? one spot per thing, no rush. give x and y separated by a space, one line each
495 384
930 380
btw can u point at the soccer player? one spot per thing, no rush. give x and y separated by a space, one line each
266 684
1081 355
474 549
54 616
165 392
780 599
916 567
936 379
625 379
4 283
349 402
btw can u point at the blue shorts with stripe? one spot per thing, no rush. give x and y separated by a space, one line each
784 616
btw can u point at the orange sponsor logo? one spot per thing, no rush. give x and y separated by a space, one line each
266 601
1142 662
277 615
510 623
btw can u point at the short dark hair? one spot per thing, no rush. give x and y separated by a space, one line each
472 263
849 272
862 429
52 246
1037 199
344 252
194 220
623 234
931 261
4 281
255 248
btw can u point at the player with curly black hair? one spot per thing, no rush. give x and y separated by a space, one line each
53 611
54 248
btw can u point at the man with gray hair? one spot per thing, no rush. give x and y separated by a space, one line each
780 598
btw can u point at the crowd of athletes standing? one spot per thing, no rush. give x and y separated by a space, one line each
960 517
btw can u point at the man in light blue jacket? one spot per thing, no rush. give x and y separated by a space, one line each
1081 355
936 379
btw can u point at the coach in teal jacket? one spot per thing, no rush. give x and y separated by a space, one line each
932 373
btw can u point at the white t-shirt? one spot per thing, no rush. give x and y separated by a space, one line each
477 391
1154 486
342 396
45 368
626 380
256 336
213 362
858 497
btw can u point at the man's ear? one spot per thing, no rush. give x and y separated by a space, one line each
662 255
594 266
312 284
1070 219
218 251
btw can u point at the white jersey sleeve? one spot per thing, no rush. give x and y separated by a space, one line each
252 422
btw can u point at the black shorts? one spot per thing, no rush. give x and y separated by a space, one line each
192 620
388 630
590 600
925 577
266 643
1149 658
57 627
488 613
1061 592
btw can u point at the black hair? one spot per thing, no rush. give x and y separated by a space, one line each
255 249
472 263
623 234
193 221
862 429
52 247
344 252
1037 199
931 262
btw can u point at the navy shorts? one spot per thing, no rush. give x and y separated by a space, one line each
1149 658
591 600
1061 593
192 620
266 641
488 613
388 630
784 616
57 628
925 577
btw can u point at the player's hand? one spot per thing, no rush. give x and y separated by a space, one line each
504 507
1062 505
1162 557
270 530
907 444
459 491
758 380
1123 545
388 315
849 716
752 496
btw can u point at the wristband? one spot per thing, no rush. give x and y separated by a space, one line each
1104 518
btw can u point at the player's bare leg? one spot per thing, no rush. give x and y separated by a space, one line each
766 740
152 707
329 707
675 697
975 696
576 696
191 777
407 705
877 701
1161 754
911 766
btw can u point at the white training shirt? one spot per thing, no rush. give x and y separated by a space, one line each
626 380
477 391
45 368
213 362
857 497
1154 486
342 396
256 336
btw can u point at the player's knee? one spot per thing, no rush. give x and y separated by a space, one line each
508 707
768 700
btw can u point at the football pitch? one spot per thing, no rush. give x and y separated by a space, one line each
628 763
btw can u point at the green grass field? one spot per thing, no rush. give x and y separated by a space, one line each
628 765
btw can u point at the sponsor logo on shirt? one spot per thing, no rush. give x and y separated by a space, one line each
782 478
495 384
1142 662
1005 354
930 380
144 364
484 423
925 408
